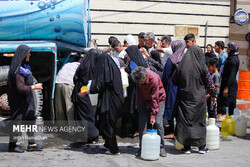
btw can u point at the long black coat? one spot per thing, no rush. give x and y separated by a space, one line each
84 111
228 79
190 106
108 84
136 56
22 105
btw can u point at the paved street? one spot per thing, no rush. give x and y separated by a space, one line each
234 151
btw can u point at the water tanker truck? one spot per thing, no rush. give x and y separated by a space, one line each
53 29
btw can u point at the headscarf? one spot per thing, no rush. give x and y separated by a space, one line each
212 48
234 49
209 55
135 55
84 73
17 61
156 56
178 48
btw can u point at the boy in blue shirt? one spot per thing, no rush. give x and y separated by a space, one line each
219 48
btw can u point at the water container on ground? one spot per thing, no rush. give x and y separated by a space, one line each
150 147
240 128
227 126
213 135
237 114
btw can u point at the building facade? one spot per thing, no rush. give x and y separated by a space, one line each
172 17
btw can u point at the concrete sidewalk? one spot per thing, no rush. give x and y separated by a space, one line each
234 151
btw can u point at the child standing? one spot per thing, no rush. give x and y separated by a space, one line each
215 75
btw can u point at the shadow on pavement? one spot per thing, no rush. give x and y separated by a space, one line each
99 149
4 147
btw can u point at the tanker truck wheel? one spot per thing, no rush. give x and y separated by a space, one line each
4 107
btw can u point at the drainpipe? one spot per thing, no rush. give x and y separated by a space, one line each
205 40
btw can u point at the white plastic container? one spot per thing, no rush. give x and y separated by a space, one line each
237 114
124 77
240 127
150 147
39 135
125 83
213 135
93 97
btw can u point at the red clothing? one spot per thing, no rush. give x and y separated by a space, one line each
152 93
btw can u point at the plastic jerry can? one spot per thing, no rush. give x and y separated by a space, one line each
240 127
150 147
227 126
213 135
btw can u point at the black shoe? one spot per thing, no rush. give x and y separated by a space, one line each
110 153
186 151
16 149
37 147
204 150
138 154
163 152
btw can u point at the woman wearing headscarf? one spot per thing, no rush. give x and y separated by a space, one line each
209 54
178 48
108 84
20 97
228 88
84 111
192 78
132 60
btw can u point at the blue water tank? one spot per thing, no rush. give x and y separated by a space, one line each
61 20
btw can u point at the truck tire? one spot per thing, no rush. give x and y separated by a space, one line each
38 95
4 70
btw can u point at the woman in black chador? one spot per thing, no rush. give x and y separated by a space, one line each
133 59
228 88
84 111
107 82
20 97
192 79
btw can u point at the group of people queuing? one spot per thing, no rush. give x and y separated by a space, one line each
167 80
175 79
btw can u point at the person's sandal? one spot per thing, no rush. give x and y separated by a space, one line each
170 136
136 134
